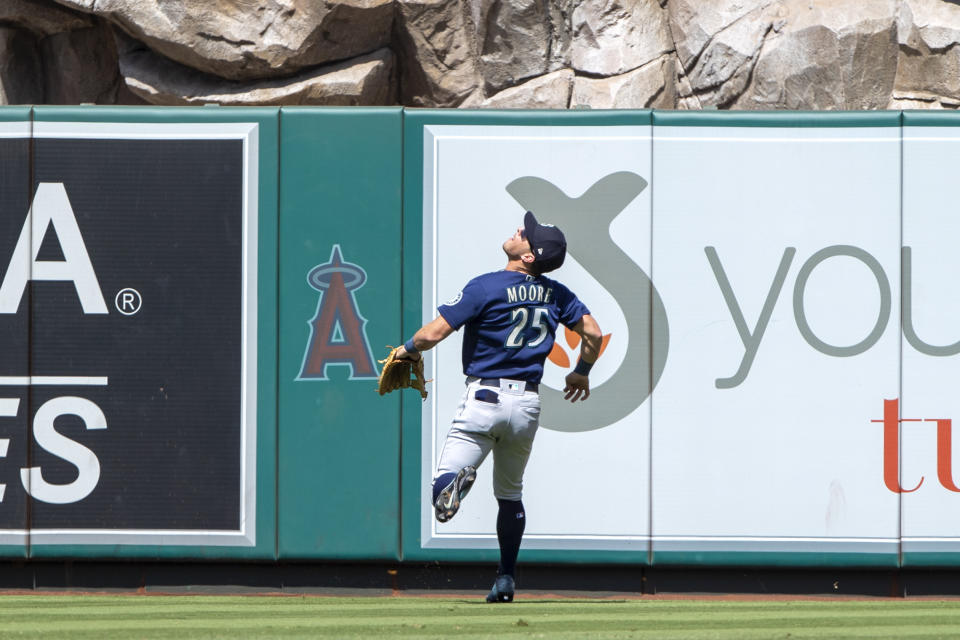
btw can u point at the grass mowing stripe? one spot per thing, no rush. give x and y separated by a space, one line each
437 608
203 607
165 617
213 629
651 614
409 602
425 633
242 604
552 622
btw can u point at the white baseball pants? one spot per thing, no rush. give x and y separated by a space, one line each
503 420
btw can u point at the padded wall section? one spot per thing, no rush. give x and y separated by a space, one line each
469 178
340 292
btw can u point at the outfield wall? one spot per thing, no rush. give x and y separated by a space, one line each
193 301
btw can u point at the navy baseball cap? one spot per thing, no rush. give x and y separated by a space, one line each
547 242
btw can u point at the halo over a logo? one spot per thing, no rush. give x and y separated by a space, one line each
587 218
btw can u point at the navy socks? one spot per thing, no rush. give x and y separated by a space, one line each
440 483
511 521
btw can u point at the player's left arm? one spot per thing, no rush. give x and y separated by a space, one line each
427 337
578 381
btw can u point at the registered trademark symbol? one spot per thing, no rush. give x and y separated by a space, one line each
128 301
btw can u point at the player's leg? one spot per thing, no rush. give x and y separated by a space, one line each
466 446
462 453
511 522
510 456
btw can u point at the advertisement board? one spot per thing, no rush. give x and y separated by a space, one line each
138 265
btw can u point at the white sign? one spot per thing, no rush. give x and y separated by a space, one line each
478 182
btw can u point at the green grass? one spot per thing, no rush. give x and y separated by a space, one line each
182 617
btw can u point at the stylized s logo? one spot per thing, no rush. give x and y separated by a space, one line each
586 222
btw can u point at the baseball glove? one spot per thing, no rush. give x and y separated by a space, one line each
399 373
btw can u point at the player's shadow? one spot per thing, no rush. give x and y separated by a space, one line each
532 600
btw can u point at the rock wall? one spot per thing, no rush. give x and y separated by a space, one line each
668 54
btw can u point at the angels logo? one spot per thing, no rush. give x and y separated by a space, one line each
338 334
588 219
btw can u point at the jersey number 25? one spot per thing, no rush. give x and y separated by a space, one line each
520 317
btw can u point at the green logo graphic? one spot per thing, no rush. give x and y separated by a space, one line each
586 222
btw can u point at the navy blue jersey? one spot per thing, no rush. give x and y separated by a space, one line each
510 320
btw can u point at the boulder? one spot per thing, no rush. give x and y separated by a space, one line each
515 41
366 80
825 54
611 37
718 68
694 23
723 69
651 86
928 66
250 39
550 91
435 43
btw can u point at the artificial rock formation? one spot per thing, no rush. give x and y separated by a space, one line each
665 54
359 81
250 39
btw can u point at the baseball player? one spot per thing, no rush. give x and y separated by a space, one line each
510 318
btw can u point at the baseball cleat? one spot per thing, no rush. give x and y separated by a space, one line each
448 502
502 590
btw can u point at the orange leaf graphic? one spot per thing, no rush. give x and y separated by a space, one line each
603 344
573 338
559 357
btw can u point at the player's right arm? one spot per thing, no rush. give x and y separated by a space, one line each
578 385
592 338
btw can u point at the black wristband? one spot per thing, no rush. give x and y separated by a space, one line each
583 367
409 347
